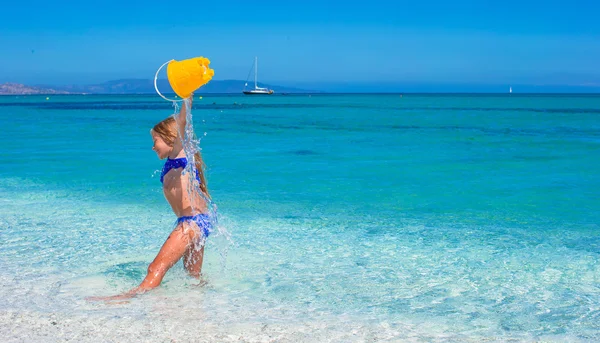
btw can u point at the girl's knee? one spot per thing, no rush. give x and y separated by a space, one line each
156 268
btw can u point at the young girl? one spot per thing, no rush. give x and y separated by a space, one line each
187 194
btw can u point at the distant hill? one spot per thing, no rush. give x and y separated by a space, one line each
137 86
18 89
146 86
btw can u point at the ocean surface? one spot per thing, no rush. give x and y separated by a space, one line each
344 218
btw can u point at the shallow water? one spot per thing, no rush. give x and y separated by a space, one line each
352 218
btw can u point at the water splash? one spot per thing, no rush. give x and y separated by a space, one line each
191 145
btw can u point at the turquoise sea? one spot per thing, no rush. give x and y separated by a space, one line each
345 218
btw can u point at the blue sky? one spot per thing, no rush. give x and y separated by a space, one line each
308 42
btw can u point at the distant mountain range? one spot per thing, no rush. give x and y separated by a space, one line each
137 86
146 86
19 89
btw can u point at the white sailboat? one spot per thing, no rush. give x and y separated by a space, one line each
257 90
510 89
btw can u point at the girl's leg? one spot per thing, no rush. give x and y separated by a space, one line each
192 260
194 255
171 251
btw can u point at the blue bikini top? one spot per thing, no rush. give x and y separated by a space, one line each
175 164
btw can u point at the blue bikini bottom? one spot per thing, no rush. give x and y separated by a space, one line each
202 220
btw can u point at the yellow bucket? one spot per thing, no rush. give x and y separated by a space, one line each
186 76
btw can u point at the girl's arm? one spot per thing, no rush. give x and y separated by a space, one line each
182 116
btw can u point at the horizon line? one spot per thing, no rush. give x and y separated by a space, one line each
325 93
340 82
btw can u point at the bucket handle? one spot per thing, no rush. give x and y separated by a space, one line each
156 86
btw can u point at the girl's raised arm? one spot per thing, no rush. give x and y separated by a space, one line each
182 116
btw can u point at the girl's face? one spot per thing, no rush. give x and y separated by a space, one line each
161 148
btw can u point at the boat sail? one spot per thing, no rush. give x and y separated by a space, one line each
256 90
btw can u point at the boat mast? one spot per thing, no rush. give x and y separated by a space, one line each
255 71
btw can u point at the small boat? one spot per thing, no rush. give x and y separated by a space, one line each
256 90
510 89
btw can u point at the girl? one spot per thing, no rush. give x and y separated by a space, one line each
187 194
